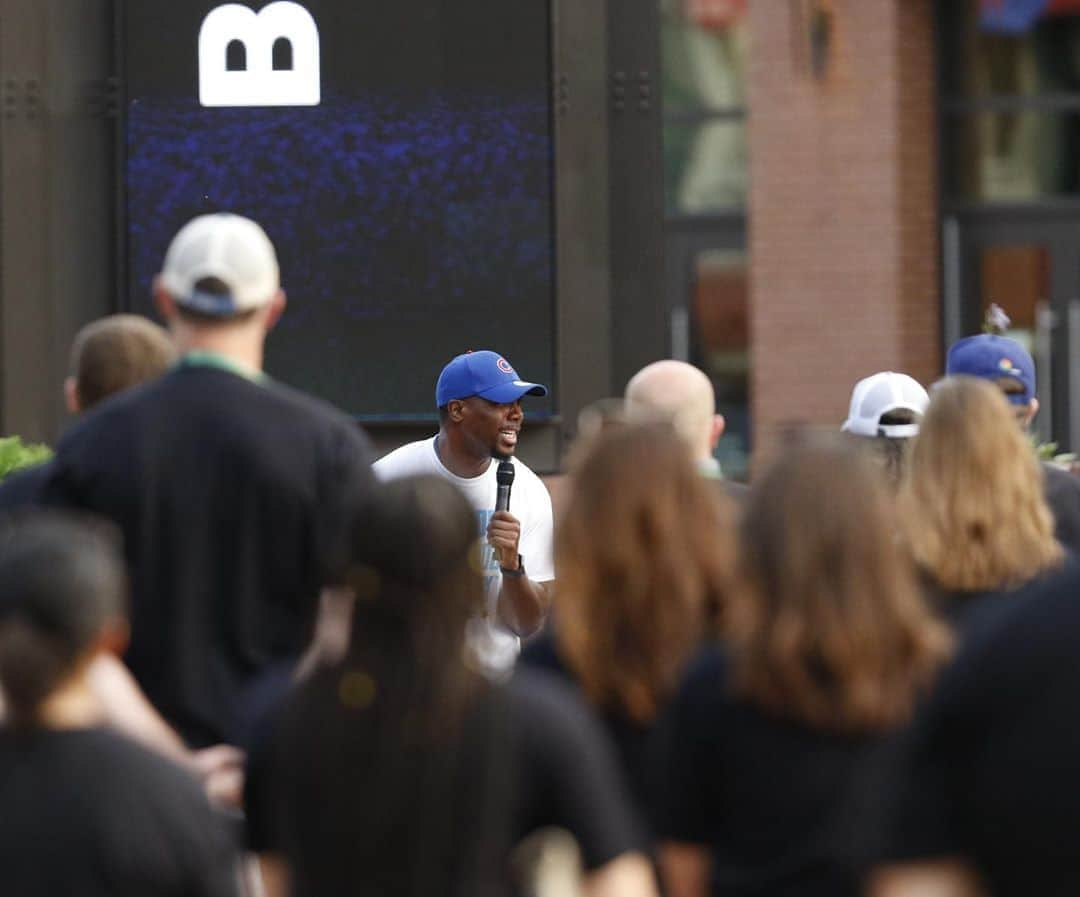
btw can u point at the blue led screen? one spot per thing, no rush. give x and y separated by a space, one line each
411 208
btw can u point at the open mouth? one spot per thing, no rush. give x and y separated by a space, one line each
509 436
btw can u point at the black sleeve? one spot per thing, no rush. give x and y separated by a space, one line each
214 867
687 731
1062 491
346 478
922 809
260 796
23 487
568 773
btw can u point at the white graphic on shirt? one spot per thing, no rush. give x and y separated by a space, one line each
283 33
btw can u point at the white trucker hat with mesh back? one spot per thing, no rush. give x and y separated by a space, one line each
230 249
879 394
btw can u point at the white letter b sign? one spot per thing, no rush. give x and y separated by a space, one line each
269 58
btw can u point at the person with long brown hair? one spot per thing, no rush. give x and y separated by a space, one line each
976 518
644 551
399 769
778 734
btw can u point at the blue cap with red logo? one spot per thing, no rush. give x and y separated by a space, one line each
995 358
485 374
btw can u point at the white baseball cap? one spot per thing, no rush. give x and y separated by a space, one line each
879 394
229 248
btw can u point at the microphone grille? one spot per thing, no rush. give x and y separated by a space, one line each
504 475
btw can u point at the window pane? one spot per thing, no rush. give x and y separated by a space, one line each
720 346
1009 156
703 54
705 166
1005 52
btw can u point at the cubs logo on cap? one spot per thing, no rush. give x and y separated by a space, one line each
486 374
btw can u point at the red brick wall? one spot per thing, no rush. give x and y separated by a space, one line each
843 206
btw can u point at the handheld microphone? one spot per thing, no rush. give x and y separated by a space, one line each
504 476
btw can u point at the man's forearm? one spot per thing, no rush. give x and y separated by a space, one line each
523 604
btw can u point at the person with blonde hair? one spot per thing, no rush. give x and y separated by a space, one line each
779 736
976 519
1009 366
644 553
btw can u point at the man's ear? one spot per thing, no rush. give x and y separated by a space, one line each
1032 410
718 425
71 395
113 638
163 302
455 408
275 309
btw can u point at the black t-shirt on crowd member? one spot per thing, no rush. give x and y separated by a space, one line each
232 496
1062 492
432 820
88 813
989 767
782 808
23 487
639 746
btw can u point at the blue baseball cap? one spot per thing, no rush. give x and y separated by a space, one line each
485 374
995 358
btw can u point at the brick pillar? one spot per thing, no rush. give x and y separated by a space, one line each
843 206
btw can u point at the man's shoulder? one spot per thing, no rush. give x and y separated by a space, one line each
24 487
525 474
1062 492
1059 481
406 460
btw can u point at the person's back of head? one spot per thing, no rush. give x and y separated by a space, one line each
974 505
681 394
113 354
999 360
413 570
219 288
644 551
884 417
825 623
397 777
62 591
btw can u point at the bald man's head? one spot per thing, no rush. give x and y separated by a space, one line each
678 392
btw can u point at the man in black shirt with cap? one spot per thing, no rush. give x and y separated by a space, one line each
232 492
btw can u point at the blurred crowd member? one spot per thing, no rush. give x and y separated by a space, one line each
231 491
107 356
644 556
976 519
1005 362
986 797
400 770
82 809
781 738
679 392
885 412
479 396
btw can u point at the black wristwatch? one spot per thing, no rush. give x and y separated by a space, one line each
520 571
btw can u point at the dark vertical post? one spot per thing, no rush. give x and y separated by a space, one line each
56 227
639 332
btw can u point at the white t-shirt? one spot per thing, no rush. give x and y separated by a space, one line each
530 503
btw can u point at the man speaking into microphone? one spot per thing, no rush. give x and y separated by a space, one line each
480 416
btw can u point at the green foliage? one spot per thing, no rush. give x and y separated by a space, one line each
16 454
